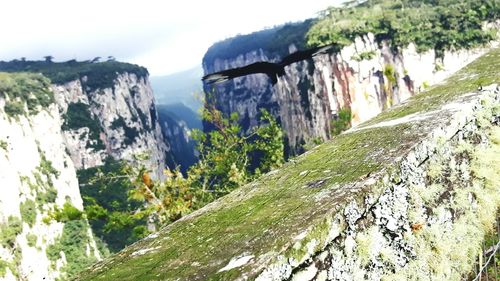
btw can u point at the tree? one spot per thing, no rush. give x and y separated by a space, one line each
48 59
228 159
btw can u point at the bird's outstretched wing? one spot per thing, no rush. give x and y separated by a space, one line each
271 69
305 54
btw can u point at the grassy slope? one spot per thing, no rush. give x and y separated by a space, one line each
263 217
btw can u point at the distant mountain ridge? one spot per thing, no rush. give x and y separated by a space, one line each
179 87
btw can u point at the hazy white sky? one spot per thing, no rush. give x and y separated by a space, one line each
164 36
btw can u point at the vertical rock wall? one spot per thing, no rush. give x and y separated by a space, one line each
365 77
37 180
123 119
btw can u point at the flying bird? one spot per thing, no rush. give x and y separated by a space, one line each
273 70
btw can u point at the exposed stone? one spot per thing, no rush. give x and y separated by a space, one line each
32 142
131 101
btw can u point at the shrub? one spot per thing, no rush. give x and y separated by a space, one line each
3 268
73 243
130 133
78 116
14 108
4 145
364 56
46 167
390 74
31 238
9 231
342 122
25 90
48 196
28 211
67 213
108 206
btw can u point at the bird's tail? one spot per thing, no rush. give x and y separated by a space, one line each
278 72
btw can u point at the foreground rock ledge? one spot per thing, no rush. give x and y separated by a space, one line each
407 195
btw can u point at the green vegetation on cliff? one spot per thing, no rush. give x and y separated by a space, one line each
439 25
74 242
274 41
109 209
93 75
430 24
119 197
77 116
24 93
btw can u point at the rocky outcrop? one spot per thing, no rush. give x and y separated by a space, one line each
40 202
118 121
365 78
51 131
408 195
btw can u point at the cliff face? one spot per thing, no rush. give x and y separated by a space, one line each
49 133
365 77
39 191
120 121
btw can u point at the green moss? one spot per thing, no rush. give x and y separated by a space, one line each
314 241
435 170
28 211
444 251
367 245
264 218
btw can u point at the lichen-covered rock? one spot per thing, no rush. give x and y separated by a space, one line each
404 196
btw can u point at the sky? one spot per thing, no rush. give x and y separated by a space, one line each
164 36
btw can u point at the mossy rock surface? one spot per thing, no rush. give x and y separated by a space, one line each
288 214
